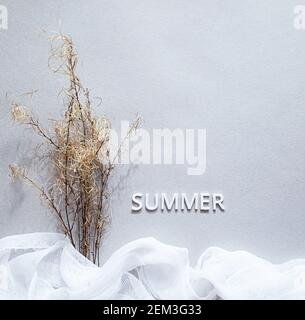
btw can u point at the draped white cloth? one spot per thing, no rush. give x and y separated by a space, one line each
46 266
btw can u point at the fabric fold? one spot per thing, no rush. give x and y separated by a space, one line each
46 266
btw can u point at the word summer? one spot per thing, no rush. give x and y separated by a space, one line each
160 202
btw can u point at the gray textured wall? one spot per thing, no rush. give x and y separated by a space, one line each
236 68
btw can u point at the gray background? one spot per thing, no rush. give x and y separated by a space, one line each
236 68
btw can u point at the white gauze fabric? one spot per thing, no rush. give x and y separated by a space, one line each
46 266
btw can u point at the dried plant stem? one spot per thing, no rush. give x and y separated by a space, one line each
79 159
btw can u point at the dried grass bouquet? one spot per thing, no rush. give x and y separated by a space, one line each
78 154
